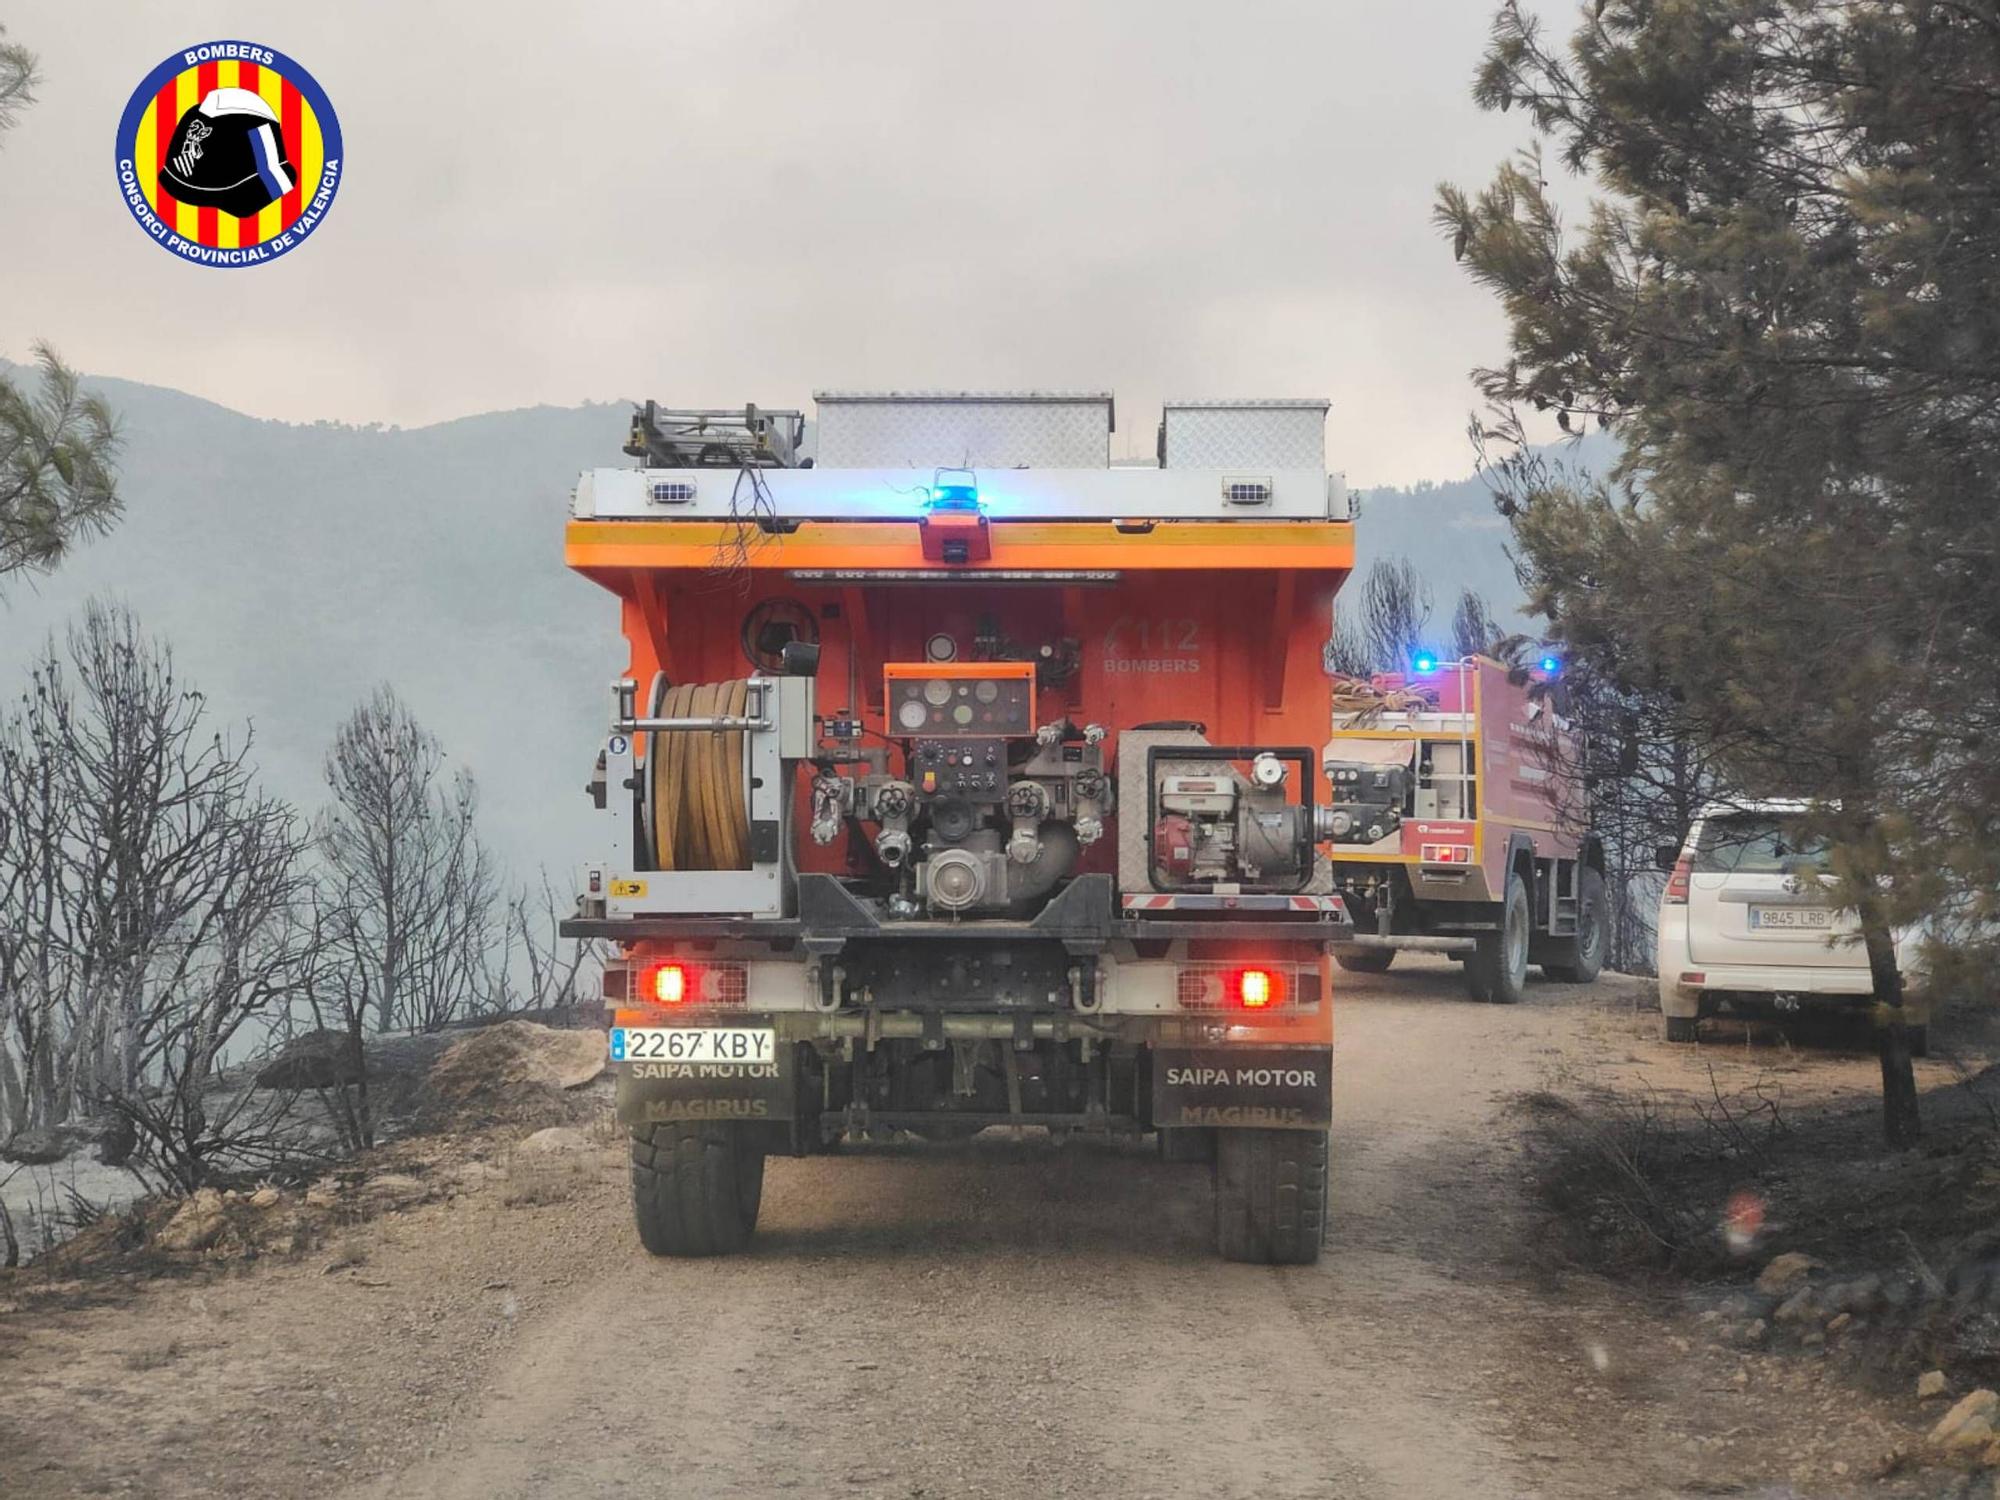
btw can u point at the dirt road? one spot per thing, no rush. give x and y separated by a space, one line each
1022 1320
992 1319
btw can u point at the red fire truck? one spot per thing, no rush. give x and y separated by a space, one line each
1457 825
961 778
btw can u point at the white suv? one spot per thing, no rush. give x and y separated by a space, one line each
1744 925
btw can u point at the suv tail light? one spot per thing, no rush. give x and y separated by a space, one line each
1677 883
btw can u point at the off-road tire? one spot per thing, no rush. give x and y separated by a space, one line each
1583 955
1683 1028
695 1187
1365 960
1270 1196
1185 1143
1498 972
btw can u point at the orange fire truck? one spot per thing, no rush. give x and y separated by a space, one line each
960 778
1457 827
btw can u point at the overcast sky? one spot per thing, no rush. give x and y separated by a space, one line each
718 202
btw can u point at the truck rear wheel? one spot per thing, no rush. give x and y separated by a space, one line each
1583 955
1365 960
1498 971
695 1188
1270 1196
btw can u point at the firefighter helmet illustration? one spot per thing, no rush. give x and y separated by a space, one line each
229 152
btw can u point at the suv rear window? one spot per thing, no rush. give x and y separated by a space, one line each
1756 844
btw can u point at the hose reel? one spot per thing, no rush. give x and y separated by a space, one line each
697 805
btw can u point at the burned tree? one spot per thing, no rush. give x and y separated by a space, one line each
148 904
541 970
1473 629
409 891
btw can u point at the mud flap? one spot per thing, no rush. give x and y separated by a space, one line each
653 1093
1253 1087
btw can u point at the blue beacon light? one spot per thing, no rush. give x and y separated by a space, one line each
954 490
1424 661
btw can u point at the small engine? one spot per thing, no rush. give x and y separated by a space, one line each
1215 826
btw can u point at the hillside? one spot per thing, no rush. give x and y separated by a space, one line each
1451 531
292 567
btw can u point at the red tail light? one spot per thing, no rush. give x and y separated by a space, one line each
1677 883
677 983
1264 988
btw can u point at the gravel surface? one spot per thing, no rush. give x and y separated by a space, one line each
996 1318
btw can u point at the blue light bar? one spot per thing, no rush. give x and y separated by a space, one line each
954 490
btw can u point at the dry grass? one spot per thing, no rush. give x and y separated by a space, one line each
535 1177
153 1356
1640 1181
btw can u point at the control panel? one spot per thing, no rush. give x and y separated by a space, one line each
973 769
961 700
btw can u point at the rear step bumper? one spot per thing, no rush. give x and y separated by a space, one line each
1678 998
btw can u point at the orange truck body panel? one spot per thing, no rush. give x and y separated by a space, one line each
1220 622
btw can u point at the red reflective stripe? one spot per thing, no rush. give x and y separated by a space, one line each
164 121
205 83
295 137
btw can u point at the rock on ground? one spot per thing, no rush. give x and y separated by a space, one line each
515 1063
318 1060
111 1140
1969 1424
1930 1384
196 1224
1787 1273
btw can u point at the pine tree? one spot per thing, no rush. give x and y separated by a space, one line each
56 443
1781 302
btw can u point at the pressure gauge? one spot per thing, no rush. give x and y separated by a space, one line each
962 714
937 691
941 647
987 690
912 715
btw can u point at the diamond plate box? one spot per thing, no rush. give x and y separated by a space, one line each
1243 435
963 429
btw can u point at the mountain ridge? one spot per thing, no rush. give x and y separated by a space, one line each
292 566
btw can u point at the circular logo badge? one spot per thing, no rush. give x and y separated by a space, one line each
229 154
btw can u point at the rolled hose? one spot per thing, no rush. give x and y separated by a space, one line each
700 819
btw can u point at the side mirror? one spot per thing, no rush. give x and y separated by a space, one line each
1666 856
